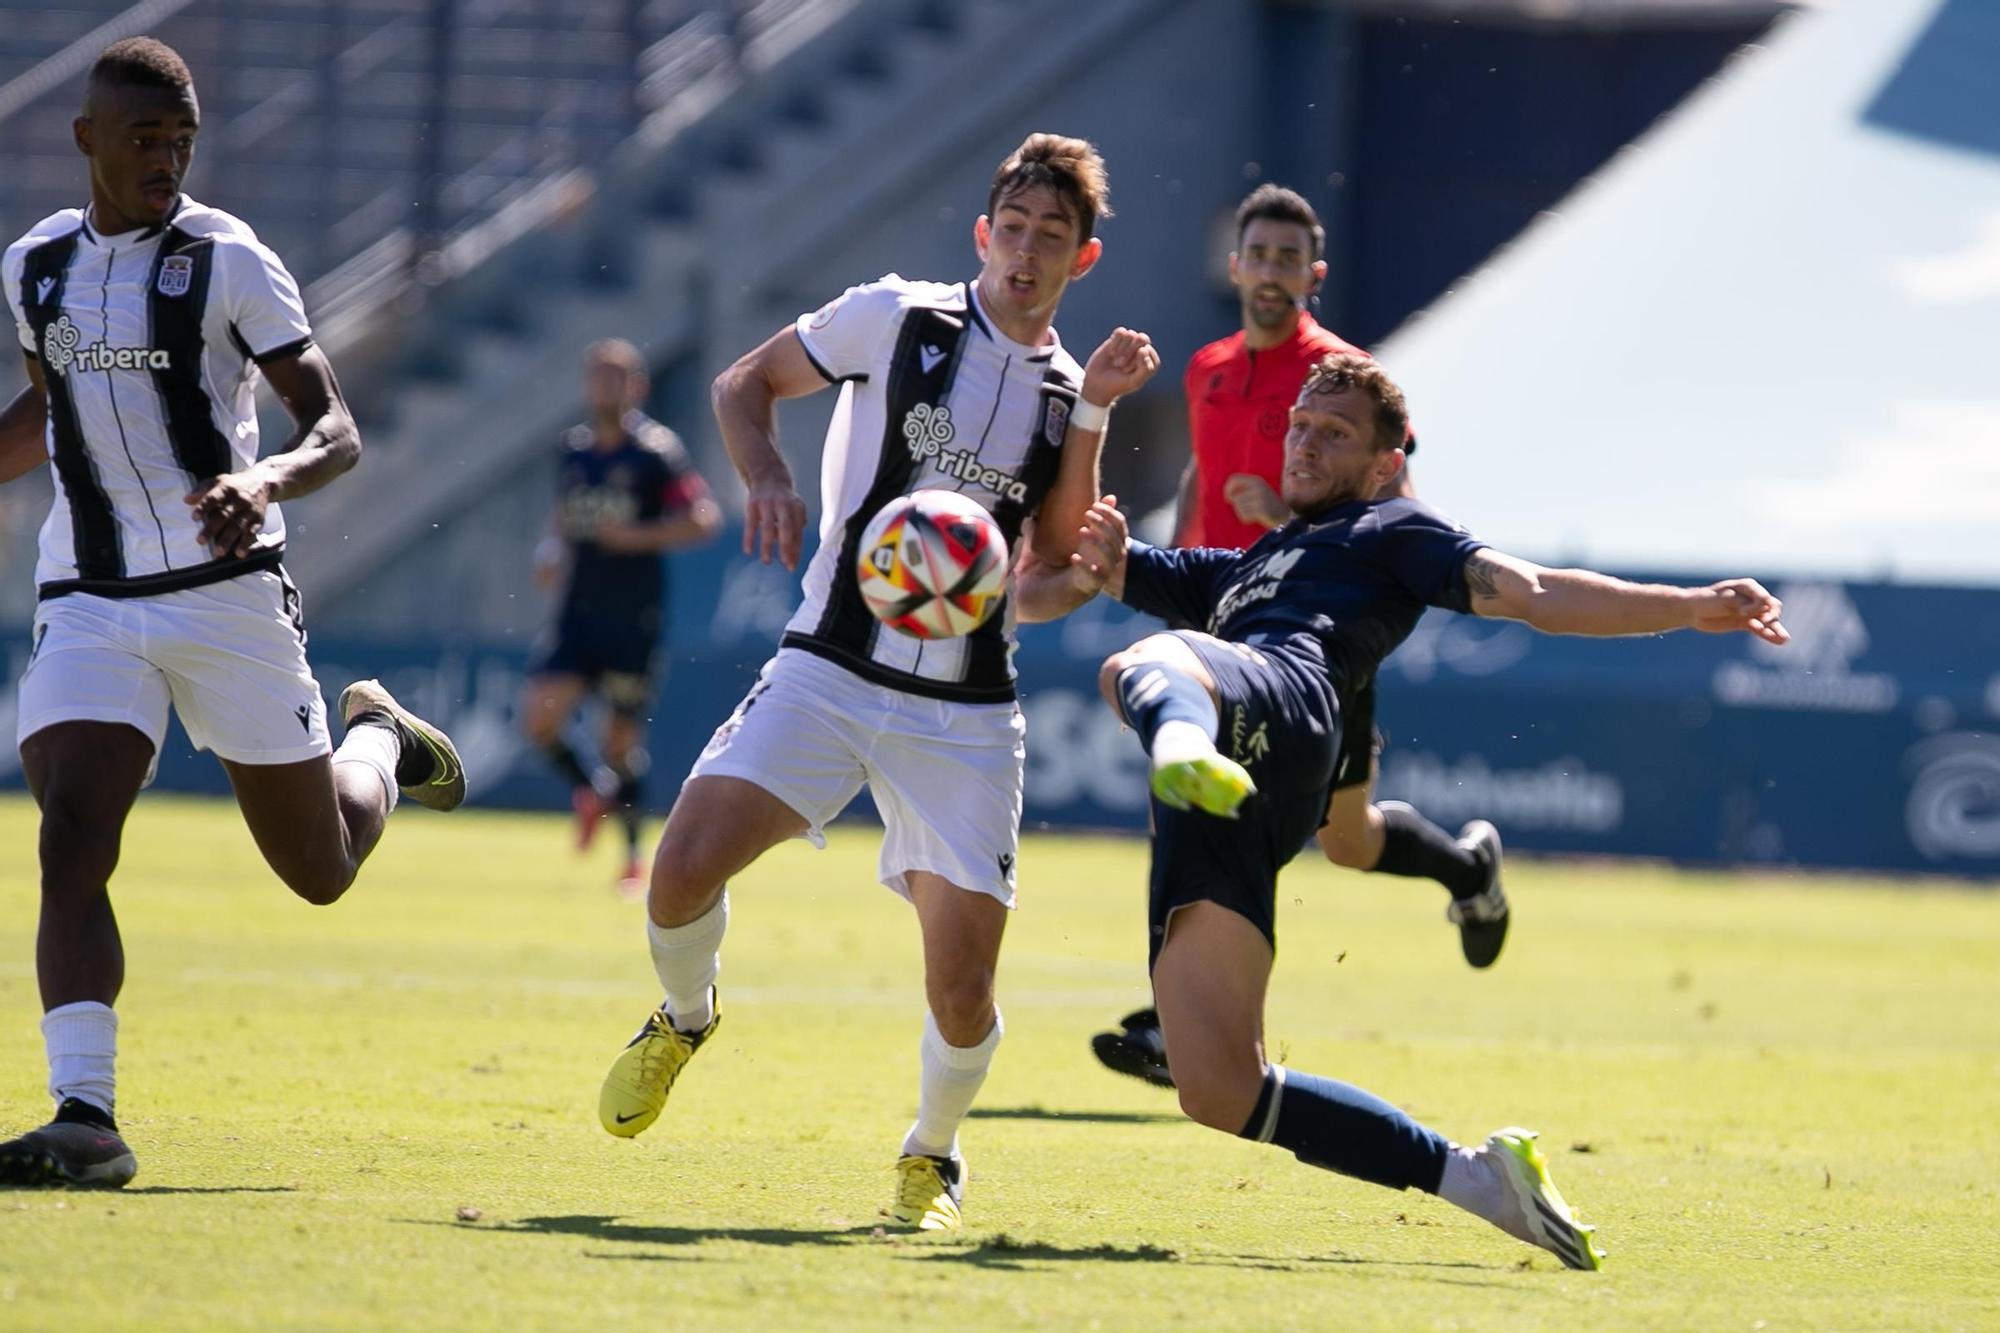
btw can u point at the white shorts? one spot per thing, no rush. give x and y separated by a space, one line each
229 657
947 777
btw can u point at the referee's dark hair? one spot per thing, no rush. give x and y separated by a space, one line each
1281 205
140 62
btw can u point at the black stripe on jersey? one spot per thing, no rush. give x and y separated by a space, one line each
118 418
986 656
93 524
295 605
200 448
170 580
846 623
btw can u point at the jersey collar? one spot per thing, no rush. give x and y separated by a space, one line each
974 311
136 236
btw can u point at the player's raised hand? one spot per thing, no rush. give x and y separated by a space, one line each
774 519
1100 547
1255 501
230 512
1121 364
1740 604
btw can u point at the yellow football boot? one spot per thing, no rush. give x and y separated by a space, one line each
928 1191
635 1091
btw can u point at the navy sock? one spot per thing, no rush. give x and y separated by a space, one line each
566 762
1155 692
631 793
1337 1126
1412 845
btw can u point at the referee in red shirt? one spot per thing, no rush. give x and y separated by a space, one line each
1240 392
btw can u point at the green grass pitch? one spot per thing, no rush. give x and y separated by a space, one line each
1779 1099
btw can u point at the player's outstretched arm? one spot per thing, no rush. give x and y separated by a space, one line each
1581 601
745 398
1047 591
325 443
24 427
1121 364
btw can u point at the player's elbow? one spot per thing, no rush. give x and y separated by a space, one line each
342 437
737 383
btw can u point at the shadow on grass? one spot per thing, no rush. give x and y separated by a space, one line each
593 1226
1077 1117
209 1189
1013 1254
1000 1252
107 1192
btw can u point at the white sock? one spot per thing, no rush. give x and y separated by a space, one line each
82 1041
1475 1182
1178 742
375 747
951 1079
687 959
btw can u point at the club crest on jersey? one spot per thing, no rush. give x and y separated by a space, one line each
176 275
63 350
927 429
1055 419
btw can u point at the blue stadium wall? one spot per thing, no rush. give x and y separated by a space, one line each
1872 743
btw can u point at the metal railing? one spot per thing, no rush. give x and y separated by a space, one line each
383 128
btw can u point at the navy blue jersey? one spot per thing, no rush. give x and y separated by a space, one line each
1348 586
646 476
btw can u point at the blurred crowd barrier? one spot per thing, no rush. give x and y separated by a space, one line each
1871 742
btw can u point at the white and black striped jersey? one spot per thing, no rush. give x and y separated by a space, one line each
149 343
932 396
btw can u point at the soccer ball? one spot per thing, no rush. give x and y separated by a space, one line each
932 564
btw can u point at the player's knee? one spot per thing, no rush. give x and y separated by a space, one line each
538 724
1107 675
1220 1099
79 845
962 1004
1344 848
684 883
320 885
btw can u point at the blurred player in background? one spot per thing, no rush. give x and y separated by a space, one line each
963 386
1308 609
147 319
1240 391
626 494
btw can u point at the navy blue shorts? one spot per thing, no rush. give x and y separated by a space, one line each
618 657
1281 721
1360 740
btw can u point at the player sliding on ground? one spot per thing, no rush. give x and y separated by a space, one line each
1242 725
146 319
1239 390
954 386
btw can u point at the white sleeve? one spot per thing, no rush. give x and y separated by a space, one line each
263 300
14 274
845 336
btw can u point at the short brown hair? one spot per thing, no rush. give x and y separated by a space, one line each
1338 372
1278 204
614 352
143 62
1072 168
